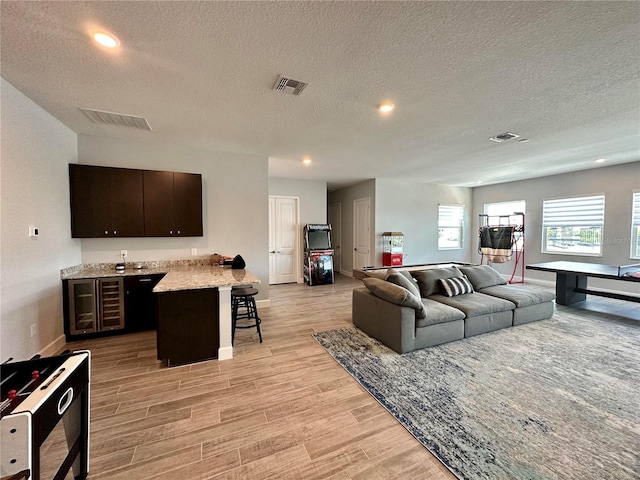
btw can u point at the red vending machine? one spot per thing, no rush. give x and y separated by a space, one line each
318 255
392 249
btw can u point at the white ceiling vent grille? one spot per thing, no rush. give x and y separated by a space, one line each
289 85
503 137
119 119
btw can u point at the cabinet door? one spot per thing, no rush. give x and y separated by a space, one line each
127 212
106 202
158 204
187 204
90 191
139 305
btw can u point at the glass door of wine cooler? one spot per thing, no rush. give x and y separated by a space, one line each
111 294
82 306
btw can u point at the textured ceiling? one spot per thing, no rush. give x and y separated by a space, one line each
563 74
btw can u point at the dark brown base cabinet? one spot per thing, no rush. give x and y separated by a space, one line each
139 304
188 325
93 307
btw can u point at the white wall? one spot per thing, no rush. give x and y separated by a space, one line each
312 195
412 208
617 184
35 152
312 201
234 197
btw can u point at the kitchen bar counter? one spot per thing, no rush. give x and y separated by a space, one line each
182 276
179 275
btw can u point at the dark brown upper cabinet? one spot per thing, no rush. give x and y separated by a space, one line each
173 204
106 202
122 202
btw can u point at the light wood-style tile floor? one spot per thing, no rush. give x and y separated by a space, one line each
283 409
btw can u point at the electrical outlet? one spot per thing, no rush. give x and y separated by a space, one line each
34 330
123 254
194 251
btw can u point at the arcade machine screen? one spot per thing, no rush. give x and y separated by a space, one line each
318 240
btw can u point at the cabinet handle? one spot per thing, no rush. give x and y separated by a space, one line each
273 251
178 232
115 233
145 279
170 232
106 232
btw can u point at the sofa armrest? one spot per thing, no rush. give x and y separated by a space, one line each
388 323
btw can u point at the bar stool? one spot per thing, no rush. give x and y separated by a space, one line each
243 298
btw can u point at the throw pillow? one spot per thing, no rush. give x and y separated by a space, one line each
482 276
428 279
455 286
395 294
406 281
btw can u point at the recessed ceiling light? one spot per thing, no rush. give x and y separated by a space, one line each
386 107
601 160
306 161
106 39
478 182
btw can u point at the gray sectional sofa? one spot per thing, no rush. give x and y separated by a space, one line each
409 310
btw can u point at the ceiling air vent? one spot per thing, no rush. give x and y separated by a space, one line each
503 137
289 85
119 119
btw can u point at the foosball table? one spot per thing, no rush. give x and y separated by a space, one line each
44 418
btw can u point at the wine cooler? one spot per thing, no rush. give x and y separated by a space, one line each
96 305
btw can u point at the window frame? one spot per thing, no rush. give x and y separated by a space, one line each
442 207
635 226
593 219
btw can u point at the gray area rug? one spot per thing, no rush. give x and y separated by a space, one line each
556 399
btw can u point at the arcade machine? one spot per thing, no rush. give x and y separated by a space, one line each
318 255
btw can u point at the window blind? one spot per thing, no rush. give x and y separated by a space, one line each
450 215
635 217
574 212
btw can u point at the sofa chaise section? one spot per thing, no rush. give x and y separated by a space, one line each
532 303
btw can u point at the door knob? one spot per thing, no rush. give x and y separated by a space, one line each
273 251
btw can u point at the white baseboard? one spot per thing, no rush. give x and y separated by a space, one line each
54 347
263 303
225 353
346 273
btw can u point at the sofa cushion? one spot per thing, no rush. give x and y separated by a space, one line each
428 279
482 276
395 294
521 295
404 279
475 304
455 286
437 313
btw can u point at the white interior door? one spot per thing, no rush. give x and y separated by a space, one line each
283 239
361 233
335 219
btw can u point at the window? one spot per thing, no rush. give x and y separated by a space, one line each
505 209
635 226
450 219
573 226
502 213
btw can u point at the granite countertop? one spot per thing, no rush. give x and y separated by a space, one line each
178 275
